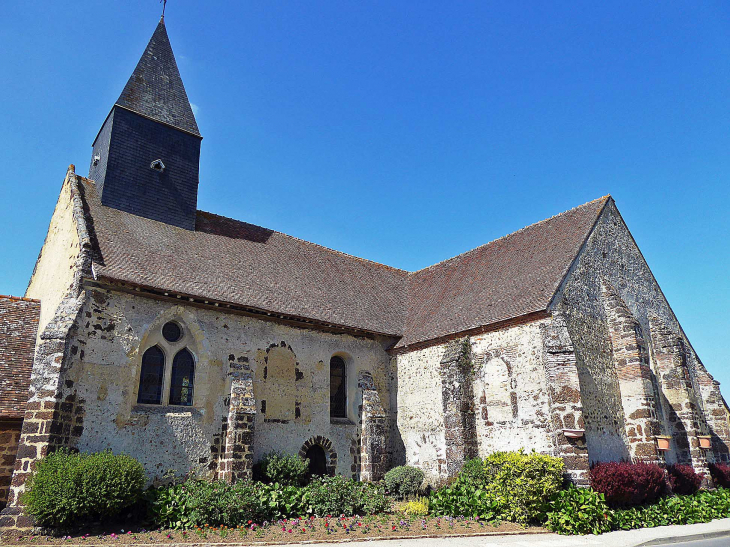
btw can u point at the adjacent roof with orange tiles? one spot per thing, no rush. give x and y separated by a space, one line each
18 327
225 260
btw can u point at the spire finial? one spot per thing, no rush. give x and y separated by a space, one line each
164 5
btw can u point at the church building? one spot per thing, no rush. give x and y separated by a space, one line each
198 343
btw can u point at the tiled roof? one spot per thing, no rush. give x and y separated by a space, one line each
18 328
229 261
155 89
235 262
507 278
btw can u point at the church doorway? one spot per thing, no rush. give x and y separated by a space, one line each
317 461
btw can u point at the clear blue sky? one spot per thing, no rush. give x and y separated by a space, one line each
403 132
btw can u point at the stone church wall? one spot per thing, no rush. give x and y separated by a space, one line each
288 367
503 396
420 413
614 310
55 270
510 389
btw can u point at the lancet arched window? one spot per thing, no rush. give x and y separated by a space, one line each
151 377
163 380
338 388
181 381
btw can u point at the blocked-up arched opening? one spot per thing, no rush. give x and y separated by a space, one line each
495 391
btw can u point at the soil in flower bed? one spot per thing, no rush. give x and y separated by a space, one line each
285 531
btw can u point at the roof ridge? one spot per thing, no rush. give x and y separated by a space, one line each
19 298
603 198
335 251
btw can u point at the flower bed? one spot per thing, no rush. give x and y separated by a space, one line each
289 531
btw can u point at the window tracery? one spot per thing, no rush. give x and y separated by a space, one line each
167 374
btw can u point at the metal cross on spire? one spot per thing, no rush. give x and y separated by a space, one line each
164 5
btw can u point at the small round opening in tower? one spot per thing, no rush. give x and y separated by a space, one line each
317 460
171 331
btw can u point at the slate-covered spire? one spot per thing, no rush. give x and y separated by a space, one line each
155 89
145 158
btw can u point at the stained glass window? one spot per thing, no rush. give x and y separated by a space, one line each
182 378
150 380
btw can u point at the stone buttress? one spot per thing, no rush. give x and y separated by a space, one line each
566 407
458 404
236 462
631 360
684 415
374 458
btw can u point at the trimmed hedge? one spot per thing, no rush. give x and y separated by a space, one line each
68 488
720 474
683 480
403 481
627 484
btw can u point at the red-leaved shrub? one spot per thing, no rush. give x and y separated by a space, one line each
626 484
721 474
682 479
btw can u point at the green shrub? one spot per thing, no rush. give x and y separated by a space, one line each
403 481
71 489
473 472
700 507
340 496
512 486
285 469
217 503
578 511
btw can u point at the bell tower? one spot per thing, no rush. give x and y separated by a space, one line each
145 158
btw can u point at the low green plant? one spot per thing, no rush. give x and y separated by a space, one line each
337 496
582 510
578 511
417 507
403 481
285 469
71 488
511 486
474 473
703 506
217 503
